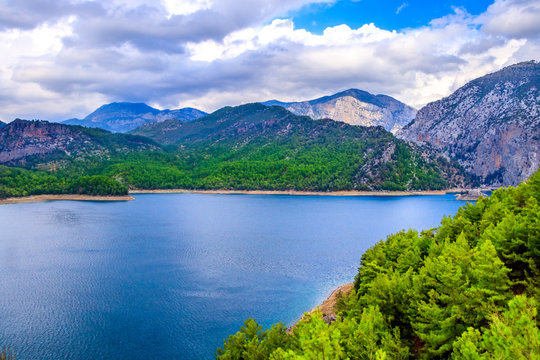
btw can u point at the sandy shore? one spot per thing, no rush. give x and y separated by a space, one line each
293 192
35 198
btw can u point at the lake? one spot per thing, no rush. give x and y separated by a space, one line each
169 276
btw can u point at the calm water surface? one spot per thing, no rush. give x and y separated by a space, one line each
169 276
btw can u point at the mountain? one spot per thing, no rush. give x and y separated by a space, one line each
124 116
491 125
2 124
255 146
23 141
355 107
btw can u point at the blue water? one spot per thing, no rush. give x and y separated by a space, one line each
169 276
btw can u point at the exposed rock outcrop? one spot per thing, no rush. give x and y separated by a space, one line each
470 195
355 107
21 139
491 125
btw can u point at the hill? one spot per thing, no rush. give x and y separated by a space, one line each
16 182
355 107
23 141
259 147
491 125
125 116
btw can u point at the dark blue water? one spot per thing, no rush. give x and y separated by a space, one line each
170 276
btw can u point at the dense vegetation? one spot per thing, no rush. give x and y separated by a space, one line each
258 147
16 182
274 166
469 289
250 147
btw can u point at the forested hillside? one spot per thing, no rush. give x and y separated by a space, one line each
46 151
15 182
259 147
41 142
469 289
250 147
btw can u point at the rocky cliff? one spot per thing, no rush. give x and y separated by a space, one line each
355 107
22 139
123 116
490 125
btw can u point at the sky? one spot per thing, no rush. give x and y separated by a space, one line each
64 58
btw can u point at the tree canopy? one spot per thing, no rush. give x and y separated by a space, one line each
468 289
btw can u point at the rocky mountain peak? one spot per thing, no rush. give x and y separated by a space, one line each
355 107
491 125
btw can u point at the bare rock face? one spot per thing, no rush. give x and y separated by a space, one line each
491 125
355 107
21 139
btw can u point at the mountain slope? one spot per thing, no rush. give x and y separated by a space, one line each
2 124
22 141
124 116
355 107
259 147
491 125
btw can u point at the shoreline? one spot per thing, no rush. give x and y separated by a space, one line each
328 306
295 192
38 198
129 197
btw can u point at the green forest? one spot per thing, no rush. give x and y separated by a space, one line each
469 289
274 166
249 147
15 182
271 167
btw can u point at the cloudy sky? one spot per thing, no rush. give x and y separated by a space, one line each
64 58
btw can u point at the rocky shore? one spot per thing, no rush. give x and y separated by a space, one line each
470 195
328 307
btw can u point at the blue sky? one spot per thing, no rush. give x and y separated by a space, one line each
64 58
387 14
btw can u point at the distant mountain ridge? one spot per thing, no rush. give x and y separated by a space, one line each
21 140
125 116
491 125
354 107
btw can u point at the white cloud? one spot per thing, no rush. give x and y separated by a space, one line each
401 7
186 7
513 18
208 54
